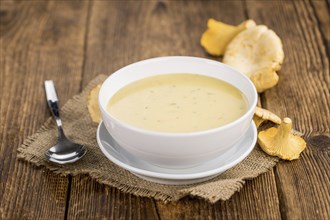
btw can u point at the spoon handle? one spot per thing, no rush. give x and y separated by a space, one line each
52 101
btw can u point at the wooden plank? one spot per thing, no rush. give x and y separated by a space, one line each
256 200
303 95
107 51
98 201
322 11
122 33
39 41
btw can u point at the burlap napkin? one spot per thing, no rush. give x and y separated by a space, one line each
79 126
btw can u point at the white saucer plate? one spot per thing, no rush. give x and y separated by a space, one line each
153 173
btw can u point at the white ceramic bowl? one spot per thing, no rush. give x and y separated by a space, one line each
176 150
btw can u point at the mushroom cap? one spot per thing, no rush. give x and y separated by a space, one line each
92 104
218 35
281 142
257 52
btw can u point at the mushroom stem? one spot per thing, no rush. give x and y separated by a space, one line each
284 129
261 115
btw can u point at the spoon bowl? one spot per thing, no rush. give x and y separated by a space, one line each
65 151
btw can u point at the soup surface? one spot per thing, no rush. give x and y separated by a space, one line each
178 103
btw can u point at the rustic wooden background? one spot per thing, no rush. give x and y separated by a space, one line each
73 41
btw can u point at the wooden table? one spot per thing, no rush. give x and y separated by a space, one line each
71 42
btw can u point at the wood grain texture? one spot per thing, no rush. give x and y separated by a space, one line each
121 33
39 41
99 201
71 42
303 95
250 203
322 12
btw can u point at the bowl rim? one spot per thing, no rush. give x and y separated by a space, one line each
181 134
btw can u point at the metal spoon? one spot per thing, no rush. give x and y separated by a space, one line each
65 151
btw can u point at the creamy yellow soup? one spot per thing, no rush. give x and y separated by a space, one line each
178 103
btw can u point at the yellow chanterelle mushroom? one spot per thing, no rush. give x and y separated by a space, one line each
92 104
257 52
218 35
261 115
281 142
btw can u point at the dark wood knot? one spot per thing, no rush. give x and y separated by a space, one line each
160 7
3 13
320 141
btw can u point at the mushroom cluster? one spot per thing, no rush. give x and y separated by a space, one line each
252 49
256 51
278 141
